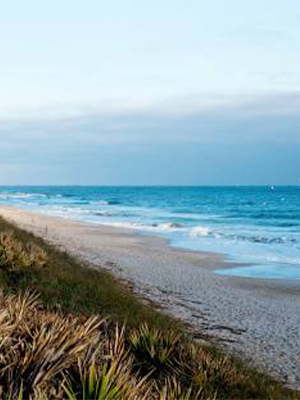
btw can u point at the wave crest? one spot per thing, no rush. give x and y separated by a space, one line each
200 231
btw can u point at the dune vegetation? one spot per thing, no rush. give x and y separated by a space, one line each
70 332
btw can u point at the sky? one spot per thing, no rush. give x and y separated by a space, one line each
166 92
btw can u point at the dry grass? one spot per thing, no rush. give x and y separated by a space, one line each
47 355
38 345
15 255
66 351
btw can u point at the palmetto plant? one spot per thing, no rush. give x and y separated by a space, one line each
173 390
106 374
155 351
113 381
36 345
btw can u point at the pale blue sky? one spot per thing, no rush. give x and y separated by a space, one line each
150 92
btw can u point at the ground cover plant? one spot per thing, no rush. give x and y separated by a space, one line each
70 332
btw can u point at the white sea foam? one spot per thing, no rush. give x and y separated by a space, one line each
126 225
168 226
200 231
100 203
164 227
21 195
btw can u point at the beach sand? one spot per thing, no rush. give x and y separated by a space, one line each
257 319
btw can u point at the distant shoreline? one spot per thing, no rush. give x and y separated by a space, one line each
258 319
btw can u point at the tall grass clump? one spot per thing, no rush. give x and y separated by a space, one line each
15 255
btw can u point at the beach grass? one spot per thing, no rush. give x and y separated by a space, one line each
69 343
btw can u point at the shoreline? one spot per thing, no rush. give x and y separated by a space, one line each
255 318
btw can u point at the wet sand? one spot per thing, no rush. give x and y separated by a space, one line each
257 319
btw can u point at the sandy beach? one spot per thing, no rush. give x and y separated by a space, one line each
255 318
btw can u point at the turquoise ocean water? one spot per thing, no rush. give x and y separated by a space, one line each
255 225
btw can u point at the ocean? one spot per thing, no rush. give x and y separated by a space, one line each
259 226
